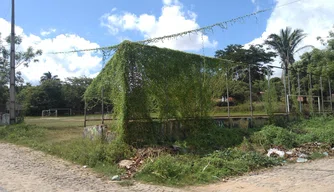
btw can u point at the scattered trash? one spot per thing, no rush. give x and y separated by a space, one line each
85 166
274 152
303 152
301 160
116 178
302 155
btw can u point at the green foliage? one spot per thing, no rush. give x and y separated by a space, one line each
48 76
316 155
318 129
21 58
272 135
53 93
255 55
73 90
142 79
205 136
191 169
286 44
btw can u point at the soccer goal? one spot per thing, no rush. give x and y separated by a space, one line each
304 101
56 112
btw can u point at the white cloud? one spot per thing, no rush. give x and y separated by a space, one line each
315 17
47 32
63 65
173 19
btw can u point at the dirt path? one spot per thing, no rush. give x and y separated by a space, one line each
22 169
316 176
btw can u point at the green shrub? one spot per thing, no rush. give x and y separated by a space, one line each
317 129
272 135
206 136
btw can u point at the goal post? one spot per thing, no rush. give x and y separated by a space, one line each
56 112
302 99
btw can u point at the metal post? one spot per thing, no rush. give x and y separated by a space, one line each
285 95
330 94
300 103
288 103
311 93
250 93
12 114
228 102
322 95
85 113
269 100
319 108
102 105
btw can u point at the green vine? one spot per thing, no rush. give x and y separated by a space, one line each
142 80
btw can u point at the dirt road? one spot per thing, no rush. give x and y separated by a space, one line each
22 169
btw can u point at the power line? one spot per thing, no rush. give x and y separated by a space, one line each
222 25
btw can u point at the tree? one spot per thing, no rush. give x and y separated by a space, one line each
73 90
255 55
48 76
21 58
286 45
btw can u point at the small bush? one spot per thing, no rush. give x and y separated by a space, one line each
272 135
206 136
318 129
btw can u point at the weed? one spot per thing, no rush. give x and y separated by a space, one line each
316 155
192 169
272 135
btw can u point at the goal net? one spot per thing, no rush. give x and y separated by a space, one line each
303 103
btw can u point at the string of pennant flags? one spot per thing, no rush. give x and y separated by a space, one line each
203 30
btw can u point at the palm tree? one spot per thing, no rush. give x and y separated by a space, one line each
48 76
286 45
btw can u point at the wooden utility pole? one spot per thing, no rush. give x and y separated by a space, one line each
12 114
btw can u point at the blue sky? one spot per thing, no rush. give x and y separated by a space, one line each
63 25
83 19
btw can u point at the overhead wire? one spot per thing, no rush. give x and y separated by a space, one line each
222 25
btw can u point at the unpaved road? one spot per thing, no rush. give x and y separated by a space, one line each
22 169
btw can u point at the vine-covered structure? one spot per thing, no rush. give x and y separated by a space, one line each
151 87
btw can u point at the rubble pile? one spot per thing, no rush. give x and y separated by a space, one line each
133 164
